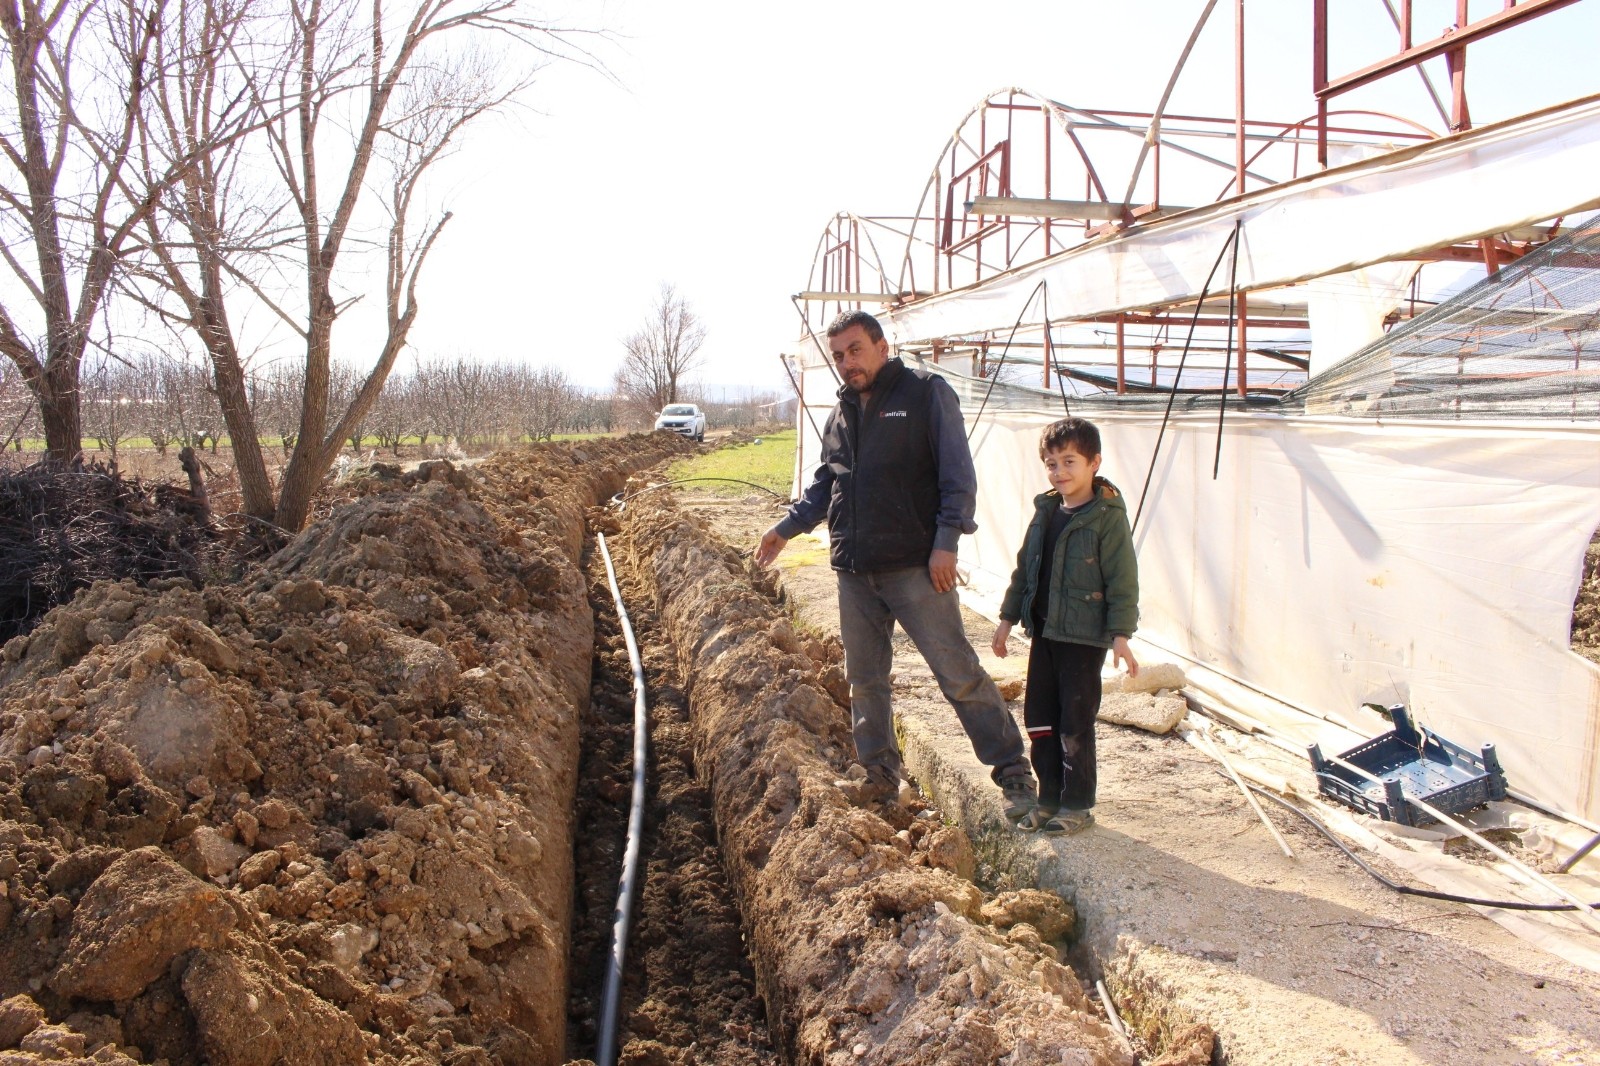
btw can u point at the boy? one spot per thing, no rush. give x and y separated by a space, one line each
1076 592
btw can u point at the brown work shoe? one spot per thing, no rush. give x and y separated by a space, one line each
869 789
1021 796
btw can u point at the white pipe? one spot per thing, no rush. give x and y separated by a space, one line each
1111 1015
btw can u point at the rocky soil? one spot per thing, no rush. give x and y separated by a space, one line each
1586 610
319 816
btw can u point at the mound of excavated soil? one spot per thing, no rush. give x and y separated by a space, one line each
321 816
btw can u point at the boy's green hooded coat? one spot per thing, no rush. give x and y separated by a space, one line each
1094 577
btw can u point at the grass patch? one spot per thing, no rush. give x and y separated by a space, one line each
769 464
803 550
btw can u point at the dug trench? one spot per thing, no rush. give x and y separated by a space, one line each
325 814
868 940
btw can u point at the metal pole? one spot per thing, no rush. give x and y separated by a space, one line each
1122 374
1238 94
1319 74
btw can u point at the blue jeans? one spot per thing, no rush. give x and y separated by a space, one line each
869 606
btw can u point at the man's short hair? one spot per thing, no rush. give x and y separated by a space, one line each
847 319
1080 433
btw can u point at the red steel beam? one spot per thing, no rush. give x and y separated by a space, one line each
1458 38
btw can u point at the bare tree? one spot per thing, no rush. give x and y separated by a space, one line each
344 380
108 410
79 74
394 416
545 401
173 403
17 408
215 224
275 402
373 97
660 355
460 392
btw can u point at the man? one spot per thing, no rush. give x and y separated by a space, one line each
898 489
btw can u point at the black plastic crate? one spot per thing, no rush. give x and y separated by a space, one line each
1412 764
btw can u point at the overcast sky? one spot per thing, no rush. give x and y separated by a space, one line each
728 135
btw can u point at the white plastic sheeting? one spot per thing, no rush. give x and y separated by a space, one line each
1347 310
1333 564
1484 181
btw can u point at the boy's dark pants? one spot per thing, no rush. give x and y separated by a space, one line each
1059 711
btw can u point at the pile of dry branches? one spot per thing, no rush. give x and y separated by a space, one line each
63 529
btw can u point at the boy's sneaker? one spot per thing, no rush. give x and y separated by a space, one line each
1021 795
1056 823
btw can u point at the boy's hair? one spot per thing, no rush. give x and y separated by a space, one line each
847 319
1082 434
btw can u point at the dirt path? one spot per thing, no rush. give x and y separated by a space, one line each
1191 913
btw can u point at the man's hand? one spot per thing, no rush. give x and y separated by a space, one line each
1121 653
942 569
998 643
771 544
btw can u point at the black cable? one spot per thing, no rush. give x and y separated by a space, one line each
1227 364
1001 365
806 322
1176 378
1409 890
1050 355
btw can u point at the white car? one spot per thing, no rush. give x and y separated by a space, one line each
684 418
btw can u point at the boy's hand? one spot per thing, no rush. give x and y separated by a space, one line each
771 544
942 570
998 644
1121 653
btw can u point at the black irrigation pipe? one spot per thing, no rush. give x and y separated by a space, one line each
620 499
606 1043
1050 354
1177 377
1409 890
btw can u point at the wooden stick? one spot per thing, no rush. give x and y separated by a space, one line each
1218 754
1520 870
